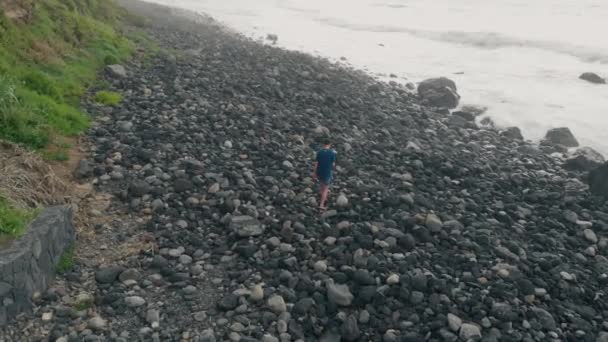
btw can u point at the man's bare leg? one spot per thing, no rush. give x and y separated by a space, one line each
324 194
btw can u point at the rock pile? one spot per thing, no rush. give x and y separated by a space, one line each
442 231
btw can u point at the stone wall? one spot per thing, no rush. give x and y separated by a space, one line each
27 266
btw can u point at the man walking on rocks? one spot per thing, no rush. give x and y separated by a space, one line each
324 168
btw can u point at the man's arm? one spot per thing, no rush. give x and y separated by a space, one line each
314 173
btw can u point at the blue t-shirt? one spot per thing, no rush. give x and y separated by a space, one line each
326 159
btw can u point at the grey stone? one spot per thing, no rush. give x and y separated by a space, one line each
138 188
433 223
545 318
185 259
468 331
116 70
454 322
350 329
108 275
207 336
125 126
269 338
513 133
153 317
246 226
339 294
134 301
439 92
342 201
320 266
561 136
277 304
96 323
590 235
584 159
598 180
129 276
602 337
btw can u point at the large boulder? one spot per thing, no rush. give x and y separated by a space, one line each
598 180
439 92
584 159
592 77
561 136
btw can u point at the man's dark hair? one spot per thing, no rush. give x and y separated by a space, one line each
326 141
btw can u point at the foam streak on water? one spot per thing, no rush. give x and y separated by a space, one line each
520 58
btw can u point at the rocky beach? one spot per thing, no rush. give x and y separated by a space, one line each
439 228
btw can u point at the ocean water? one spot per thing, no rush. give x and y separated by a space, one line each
519 58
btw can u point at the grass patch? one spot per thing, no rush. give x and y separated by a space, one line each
66 262
13 220
108 98
58 155
48 62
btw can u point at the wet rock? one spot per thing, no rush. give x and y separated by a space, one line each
592 77
561 136
598 180
584 159
439 92
513 133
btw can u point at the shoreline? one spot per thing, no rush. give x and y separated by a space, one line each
450 231
535 111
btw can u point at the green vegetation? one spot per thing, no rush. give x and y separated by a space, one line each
47 62
57 155
51 52
13 220
66 262
108 98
